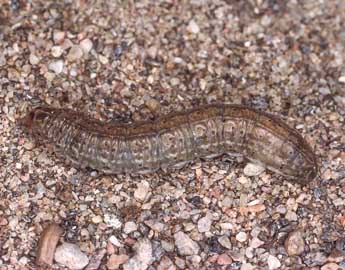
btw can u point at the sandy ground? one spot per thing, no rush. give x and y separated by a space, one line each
125 61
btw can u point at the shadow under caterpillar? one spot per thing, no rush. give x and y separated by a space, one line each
175 139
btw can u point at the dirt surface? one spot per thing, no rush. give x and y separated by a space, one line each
128 61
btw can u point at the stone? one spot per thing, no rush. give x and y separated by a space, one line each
155 225
153 105
104 60
185 245
142 191
113 240
97 219
193 27
69 255
112 221
336 256
33 59
2 60
291 216
166 264
294 243
225 241
252 169
256 242
142 258
56 66
204 224
86 45
167 246
129 227
96 260
59 37
341 79
57 51
273 262
224 259
75 53
115 261
330 266
247 266
241 237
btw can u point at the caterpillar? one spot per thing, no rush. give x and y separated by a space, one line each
175 139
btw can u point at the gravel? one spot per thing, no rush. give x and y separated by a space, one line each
123 62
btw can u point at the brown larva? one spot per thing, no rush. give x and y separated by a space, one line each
175 139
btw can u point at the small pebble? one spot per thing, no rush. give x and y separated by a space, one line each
153 105
59 37
185 245
142 257
70 256
33 59
86 45
112 239
129 227
166 264
143 191
247 266
252 169
115 261
57 51
224 259
56 66
97 219
193 27
256 242
241 237
273 262
341 79
75 53
204 224
225 241
294 243
336 256
104 60
2 60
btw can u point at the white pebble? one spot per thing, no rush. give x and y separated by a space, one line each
143 190
112 221
57 51
112 239
341 79
33 59
58 37
2 60
86 45
204 224
252 169
225 241
193 27
74 53
247 266
56 66
142 258
241 237
104 60
185 245
70 255
273 262
129 227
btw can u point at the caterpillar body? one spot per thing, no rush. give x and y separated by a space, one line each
175 139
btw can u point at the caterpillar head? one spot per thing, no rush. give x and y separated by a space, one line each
35 120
